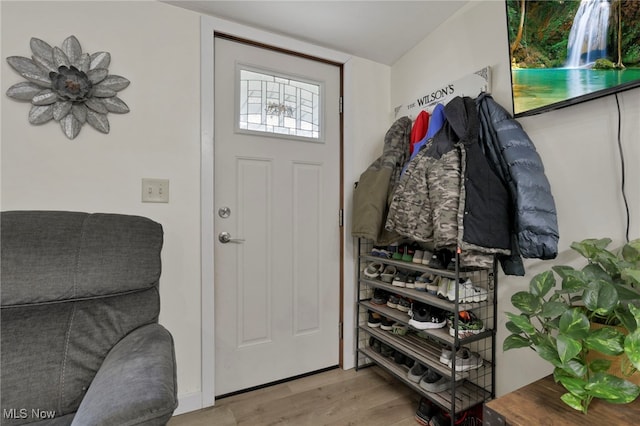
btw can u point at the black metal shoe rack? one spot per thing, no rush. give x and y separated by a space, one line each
468 388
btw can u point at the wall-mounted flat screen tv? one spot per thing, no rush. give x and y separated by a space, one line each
568 51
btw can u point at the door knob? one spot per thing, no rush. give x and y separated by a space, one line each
225 237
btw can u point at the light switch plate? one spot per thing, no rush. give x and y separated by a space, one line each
155 190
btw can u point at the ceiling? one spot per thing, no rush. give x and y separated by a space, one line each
381 31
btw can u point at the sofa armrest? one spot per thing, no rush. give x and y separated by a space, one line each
136 384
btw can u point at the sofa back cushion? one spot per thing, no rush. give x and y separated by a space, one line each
57 256
73 285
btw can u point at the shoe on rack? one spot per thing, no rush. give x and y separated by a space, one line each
422 280
404 305
443 287
451 291
397 255
417 371
426 410
386 350
466 360
426 257
433 284
399 329
409 251
411 282
424 317
388 273
417 256
380 297
434 382
373 270
440 259
472 293
374 320
468 324
374 344
399 358
400 280
409 362
393 300
445 355
387 324
439 419
381 252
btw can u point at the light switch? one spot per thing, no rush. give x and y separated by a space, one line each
155 190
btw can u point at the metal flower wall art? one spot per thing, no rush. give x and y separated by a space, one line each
68 86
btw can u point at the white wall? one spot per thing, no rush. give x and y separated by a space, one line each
156 47
367 114
578 146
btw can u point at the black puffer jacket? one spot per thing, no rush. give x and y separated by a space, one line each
515 158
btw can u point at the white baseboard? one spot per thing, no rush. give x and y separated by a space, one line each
188 402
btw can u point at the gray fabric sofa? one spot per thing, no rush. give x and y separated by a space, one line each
80 339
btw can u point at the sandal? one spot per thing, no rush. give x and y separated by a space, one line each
373 270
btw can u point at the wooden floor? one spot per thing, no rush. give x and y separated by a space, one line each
367 397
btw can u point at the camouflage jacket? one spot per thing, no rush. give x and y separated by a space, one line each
432 204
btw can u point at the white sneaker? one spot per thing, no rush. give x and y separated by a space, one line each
443 287
470 293
451 291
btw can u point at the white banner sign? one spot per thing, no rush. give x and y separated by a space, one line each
471 85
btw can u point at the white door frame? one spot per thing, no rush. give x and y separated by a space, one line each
209 25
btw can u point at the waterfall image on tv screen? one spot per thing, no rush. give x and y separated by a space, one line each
568 51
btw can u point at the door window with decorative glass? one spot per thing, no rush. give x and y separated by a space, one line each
279 104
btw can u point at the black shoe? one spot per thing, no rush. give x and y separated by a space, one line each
386 350
399 358
425 411
440 259
374 320
374 344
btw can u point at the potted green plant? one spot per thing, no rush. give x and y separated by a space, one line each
560 323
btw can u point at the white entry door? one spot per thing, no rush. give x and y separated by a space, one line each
277 196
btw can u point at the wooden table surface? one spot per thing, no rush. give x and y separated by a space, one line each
539 404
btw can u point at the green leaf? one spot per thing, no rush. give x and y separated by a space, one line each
567 347
632 348
522 322
612 389
631 275
553 309
574 324
515 341
572 401
591 246
513 328
593 272
625 291
573 280
626 318
575 368
599 365
631 251
542 283
573 385
548 353
600 297
606 340
526 302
